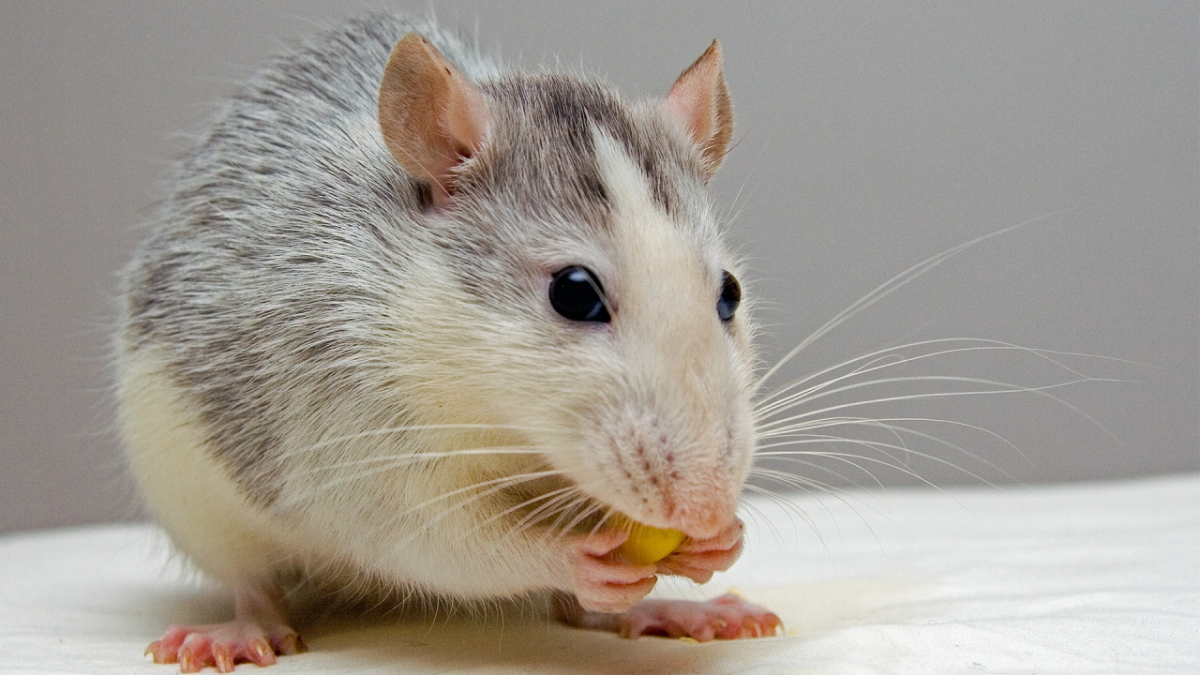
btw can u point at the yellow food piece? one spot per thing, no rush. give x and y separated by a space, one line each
645 544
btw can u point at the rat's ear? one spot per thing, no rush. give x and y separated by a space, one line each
432 118
700 101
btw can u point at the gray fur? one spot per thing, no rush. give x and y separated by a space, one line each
279 279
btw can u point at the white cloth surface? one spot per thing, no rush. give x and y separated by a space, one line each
1073 578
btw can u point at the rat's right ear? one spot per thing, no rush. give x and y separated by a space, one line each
432 118
700 101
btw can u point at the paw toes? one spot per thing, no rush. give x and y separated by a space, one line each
725 618
705 632
260 653
223 646
167 649
159 653
194 653
189 663
222 658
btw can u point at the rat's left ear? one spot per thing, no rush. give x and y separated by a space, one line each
433 119
700 101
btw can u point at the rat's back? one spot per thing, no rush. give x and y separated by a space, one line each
255 287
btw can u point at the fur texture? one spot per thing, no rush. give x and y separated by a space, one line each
322 372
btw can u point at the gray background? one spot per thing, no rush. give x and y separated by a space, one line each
870 136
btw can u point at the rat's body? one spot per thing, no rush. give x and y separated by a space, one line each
339 361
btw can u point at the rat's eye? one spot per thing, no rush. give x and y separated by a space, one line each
731 297
576 294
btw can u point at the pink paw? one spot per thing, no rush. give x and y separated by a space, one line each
223 645
699 559
604 582
728 617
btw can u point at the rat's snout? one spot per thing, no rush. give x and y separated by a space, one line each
680 434
676 471
704 518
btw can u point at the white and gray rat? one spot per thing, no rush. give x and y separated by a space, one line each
409 325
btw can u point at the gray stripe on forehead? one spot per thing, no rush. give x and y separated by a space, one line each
565 109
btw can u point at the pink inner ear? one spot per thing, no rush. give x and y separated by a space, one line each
691 101
431 117
465 121
463 127
700 101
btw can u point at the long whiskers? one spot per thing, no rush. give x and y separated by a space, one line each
888 424
550 501
404 429
892 285
890 463
891 357
390 462
801 424
1000 388
476 491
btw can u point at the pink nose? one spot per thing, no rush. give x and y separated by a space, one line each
702 516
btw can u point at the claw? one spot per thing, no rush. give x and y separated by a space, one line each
260 653
222 657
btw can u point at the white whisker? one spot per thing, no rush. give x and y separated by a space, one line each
787 506
803 483
407 428
769 403
550 499
892 285
881 446
1001 388
886 423
398 461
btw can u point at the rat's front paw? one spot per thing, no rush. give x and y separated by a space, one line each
699 559
728 617
603 581
223 645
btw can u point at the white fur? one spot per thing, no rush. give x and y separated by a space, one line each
687 384
311 380
187 491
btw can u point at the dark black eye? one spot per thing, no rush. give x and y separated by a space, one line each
576 294
731 297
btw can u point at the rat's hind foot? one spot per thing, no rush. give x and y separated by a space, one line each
222 645
728 617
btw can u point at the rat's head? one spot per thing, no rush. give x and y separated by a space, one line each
591 308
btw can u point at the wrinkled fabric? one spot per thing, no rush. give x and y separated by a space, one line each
1072 578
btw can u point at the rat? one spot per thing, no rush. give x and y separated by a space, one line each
412 325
